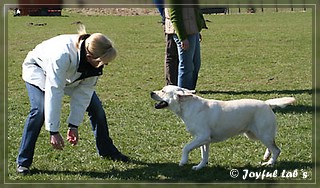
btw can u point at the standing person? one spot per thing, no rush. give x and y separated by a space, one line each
171 52
160 6
66 64
186 22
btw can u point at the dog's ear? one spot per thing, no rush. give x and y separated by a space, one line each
182 96
186 90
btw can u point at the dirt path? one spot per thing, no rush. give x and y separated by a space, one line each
114 11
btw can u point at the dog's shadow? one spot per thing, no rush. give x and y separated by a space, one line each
173 173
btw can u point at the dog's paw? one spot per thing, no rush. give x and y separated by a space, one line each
266 164
198 167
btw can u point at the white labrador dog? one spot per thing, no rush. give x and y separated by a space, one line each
214 121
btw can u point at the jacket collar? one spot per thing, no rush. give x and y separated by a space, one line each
85 67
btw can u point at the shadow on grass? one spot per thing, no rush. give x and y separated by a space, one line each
296 109
173 173
288 109
288 92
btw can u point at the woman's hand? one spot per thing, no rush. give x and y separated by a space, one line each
72 136
57 141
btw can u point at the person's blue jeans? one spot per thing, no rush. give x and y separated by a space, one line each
32 126
35 121
189 62
97 115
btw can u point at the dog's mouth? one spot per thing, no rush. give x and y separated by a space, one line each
161 104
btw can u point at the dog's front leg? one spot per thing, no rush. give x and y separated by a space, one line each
185 153
197 142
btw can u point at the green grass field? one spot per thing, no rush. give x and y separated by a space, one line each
261 56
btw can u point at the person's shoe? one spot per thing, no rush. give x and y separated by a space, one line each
23 170
118 157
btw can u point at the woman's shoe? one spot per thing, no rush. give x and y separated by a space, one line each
23 170
118 157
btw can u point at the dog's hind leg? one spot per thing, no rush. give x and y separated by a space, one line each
252 136
273 148
205 152
266 155
205 157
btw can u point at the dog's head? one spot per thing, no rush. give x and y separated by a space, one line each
170 97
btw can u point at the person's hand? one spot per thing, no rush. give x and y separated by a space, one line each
185 44
72 136
57 141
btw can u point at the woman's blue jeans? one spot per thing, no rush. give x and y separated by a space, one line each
35 120
189 62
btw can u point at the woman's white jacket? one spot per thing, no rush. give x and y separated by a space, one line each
53 67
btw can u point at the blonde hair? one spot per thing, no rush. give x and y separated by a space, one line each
98 45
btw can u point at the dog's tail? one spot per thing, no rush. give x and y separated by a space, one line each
280 102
